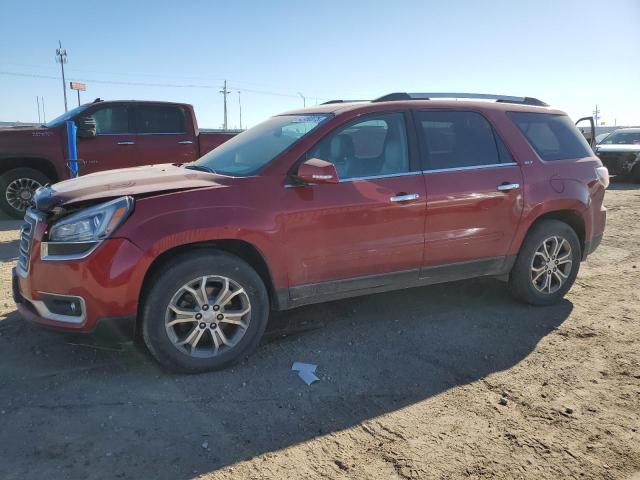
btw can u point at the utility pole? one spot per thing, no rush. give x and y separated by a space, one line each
304 99
240 107
38 103
44 115
61 58
596 114
225 92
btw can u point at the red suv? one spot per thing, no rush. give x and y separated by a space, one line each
333 201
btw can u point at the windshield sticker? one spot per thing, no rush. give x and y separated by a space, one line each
309 119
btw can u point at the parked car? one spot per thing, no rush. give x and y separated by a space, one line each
318 204
620 152
112 134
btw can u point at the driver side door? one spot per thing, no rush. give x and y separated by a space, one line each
367 231
114 145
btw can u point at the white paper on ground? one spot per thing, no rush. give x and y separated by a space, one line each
299 367
306 371
307 376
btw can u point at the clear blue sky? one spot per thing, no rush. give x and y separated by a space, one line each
572 54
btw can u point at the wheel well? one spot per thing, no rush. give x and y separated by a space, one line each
239 248
41 164
570 217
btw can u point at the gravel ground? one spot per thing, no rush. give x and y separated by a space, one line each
447 381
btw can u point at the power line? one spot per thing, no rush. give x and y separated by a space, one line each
146 84
213 79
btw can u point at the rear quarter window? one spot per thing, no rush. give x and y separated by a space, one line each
553 137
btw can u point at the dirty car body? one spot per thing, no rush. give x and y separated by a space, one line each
328 202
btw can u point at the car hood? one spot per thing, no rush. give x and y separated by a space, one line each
618 148
122 182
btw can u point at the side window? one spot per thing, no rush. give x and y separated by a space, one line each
368 147
110 120
458 139
553 137
160 119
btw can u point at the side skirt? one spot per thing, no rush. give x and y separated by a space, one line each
384 282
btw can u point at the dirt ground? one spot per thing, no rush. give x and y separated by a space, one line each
411 387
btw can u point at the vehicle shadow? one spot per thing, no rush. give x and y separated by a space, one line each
8 224
93 408
623 183
9 250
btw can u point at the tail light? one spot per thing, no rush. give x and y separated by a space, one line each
602 174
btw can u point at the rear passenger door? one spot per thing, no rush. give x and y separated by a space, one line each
474 192
164 134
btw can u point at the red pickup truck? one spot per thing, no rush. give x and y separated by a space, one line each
111 134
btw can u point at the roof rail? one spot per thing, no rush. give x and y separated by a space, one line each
341 101
392 97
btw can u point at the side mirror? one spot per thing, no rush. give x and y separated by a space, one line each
316 170
86 126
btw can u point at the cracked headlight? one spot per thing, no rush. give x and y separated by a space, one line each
92 224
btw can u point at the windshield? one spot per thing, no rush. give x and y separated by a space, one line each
65 116
246 153
622 138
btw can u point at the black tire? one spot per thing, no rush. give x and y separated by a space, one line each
521 285
178 272
9 178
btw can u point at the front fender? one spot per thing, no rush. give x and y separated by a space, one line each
159 224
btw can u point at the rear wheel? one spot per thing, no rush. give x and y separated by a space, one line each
17 187
547 264
207 310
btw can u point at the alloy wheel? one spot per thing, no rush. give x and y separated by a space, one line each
551 264
20 192
208 316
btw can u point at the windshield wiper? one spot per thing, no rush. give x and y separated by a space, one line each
200 168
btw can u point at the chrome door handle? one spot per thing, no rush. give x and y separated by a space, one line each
126 143
505 187
405 198
185 142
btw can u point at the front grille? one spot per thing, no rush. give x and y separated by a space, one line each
618 163
26 238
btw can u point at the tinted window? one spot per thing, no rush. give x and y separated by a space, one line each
111 120
458 139
160 119
553 137
374 146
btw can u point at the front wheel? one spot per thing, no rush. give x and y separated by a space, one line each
17 187
205 311
547 264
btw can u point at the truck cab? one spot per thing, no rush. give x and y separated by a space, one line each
111 134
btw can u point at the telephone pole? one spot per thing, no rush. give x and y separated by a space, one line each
61 58
304 99
38 103
225 92
596 114
240 107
